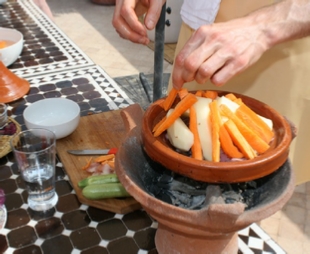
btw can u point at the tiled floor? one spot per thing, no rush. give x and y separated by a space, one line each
89 26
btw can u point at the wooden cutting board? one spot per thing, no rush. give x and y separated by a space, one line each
98 131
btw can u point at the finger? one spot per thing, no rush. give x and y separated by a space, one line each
177 79
126 23
125 32
153 13
223 75
209 67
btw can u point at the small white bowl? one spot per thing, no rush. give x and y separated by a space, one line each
59 115
9 54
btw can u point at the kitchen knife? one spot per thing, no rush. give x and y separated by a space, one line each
93 151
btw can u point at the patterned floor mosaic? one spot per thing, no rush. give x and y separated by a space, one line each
46 48
55 67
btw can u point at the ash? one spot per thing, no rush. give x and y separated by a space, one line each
190 194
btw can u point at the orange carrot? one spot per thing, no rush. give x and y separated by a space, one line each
239 140
210 94
199 93
248 121
104 158
170 99
238 101
159 123
111 164
215 129
254 140
231 96
258 121
182 93
180 108
227 144
196 147
87 164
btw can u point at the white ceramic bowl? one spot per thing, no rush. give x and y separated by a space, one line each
9 54
59 115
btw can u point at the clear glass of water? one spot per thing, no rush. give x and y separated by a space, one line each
35 154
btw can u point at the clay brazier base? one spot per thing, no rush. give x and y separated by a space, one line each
169 241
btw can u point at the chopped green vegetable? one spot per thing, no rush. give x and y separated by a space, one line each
100 179
106 190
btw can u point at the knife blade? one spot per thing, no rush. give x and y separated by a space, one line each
93 151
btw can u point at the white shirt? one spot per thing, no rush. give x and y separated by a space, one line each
196 13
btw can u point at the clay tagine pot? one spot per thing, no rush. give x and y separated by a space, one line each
160 149
212 229
12 87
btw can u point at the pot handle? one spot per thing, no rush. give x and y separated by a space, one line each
132 117
294 129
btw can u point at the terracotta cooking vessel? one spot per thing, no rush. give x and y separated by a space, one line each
160 150
211 229
12 87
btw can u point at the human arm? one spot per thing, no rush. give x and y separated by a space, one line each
222 50
126 18
42 4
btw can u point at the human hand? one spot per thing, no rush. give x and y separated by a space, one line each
218 52
126 22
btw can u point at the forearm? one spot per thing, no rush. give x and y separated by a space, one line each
284 21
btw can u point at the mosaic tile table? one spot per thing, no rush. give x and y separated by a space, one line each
56 67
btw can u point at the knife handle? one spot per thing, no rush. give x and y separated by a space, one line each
112 151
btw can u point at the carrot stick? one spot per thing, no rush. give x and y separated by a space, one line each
238 101
216 122
239 140
180 108
111 164
210 94
87 164
104 158
227 144
258 121
170 99
231 96
199 93
159 123
196 147
254 140
248 121
182 93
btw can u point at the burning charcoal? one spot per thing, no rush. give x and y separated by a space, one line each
232 197
197 202
185 188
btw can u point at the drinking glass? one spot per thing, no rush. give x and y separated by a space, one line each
35 154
